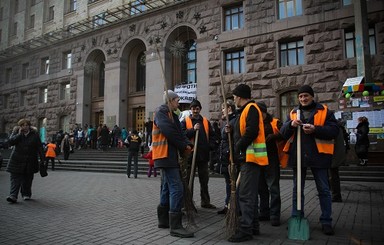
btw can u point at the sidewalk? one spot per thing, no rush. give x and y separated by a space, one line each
104 208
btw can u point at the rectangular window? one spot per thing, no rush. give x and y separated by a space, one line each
44 66
350 44
72 5
51 13
347 2
289 8
25 71
8 75
234 18
292 53
98 20
137 7
23 98
234 62
32 21
6 101
43 95
67 60
14 30
65 91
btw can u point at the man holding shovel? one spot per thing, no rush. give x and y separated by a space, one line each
318 128
195 123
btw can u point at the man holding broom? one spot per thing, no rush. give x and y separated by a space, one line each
251 153
195 123
319 128
168 140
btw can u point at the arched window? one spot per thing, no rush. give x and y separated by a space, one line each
140 72
189 63
288 101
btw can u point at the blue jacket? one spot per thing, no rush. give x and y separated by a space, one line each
177 141
310 157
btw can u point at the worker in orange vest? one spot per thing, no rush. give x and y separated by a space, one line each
50 154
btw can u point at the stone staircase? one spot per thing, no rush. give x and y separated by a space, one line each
114 160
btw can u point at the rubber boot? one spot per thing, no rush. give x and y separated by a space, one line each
163 217
177 229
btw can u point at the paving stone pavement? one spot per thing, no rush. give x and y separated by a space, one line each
105 208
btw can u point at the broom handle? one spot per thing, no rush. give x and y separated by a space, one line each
192 175
298 184
232 165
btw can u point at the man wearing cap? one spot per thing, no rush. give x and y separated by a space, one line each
206 142
168 140
269 183
319 129
251 153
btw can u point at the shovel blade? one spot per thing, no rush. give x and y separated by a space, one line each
298 228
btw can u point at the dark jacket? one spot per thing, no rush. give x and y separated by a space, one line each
310 156
224 145
24 156
251 132
171 129
204 145
362 134
134 142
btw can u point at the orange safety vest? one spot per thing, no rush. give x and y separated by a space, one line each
159 143
188 125
323 146
283 157
51 150
257 151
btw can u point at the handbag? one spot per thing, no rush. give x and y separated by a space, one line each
43 170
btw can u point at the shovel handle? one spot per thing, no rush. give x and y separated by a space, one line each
298 179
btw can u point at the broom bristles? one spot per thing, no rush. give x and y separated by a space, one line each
189 206
232 216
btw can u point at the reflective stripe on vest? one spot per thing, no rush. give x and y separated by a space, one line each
257 151
159 143
323 146
188 125
283 157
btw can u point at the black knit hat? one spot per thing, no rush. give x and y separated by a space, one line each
195 103
242 91
306 89
262 106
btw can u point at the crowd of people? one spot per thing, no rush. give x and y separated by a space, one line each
248 149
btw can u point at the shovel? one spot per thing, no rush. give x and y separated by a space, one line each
298 227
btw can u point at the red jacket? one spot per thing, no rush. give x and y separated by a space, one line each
149 157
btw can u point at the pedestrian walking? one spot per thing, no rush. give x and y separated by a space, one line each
23 162
168 140
66 146
50 154
319 128
251 153
134 143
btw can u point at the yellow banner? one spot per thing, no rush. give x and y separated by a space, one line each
378 98
376 130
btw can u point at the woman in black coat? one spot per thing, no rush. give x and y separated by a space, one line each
23 162
362 142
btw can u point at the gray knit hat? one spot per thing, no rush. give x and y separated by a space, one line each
171 95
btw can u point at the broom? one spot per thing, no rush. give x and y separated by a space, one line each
193 165
231 218
189 206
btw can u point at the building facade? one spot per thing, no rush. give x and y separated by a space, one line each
78 62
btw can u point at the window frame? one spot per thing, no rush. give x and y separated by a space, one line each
25 71
44 69
240 59
31 21
352 41
228 18
67 60
297 8
43 95
65 91
51 13
285 110
8 75
23 98
297 49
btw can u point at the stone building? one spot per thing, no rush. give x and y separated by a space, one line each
91 62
